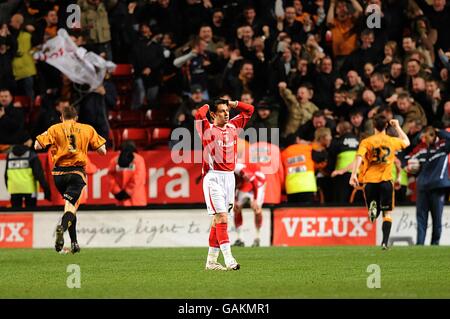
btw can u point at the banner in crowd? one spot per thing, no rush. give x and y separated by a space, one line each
134 228
166 181
322 227
79 65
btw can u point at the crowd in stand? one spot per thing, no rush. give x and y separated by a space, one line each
304 64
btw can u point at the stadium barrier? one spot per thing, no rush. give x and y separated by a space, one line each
119 228
291 226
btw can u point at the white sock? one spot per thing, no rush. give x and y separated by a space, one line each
238 233
213 254
257 233
226 251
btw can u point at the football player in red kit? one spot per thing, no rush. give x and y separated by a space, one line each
219 141
252 186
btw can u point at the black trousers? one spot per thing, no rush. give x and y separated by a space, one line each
18 199
325 184
342 188
301 197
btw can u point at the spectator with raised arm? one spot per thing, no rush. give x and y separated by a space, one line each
300 108
342 22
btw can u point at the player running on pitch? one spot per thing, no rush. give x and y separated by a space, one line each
69 142
378 153
219 141
252 187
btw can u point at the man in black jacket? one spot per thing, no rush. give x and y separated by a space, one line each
307 130
324 84
366 53
147 59
92 111
12 121
429 160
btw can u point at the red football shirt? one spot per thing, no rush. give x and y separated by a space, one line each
220 143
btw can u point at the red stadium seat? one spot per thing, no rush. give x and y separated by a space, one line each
141 136
126 118
112 116
124 100
170 100
123 79
158 116
23 101
113 140
160 137
116 137
123 70
38 101
161 134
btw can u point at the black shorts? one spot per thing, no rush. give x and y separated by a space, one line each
70 183
382 193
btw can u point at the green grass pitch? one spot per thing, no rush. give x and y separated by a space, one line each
274 272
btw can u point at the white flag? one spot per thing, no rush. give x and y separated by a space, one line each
76 63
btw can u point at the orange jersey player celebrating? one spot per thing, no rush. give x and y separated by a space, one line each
69 142
378 153
219 140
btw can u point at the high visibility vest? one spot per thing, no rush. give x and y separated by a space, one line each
403 176
299 169
20 175
344 159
